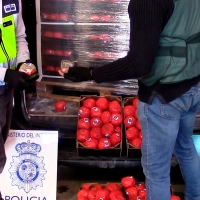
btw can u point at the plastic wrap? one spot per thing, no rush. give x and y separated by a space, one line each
92 33
45 107
89 45
93 11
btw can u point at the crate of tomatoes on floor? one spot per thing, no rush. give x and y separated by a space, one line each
99 128
97 191
133 132
127 189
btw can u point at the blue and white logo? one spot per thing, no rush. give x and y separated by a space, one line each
10 8
27 170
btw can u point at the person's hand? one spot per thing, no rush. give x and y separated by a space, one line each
16 80
76 74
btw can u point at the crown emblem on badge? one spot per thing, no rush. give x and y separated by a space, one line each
27 169
28 148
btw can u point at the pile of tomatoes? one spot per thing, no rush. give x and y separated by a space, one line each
99 123
133 130
127 189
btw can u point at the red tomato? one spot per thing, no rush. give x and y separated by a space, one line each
58 52
128 181
82 193
92 195
48 33
174 197
132 133
56 69
107 129
91 143
138 125
116 119
105 18
86 186
129 121
104 143
142 193
97 187
118 129
60 105
129 110
104 37
102 103
84 123
82 134
131 192
49 68
115 139
89 103
83 112
140 186
94 17
63 17
135 102
97 55
96 112
95 122
94 37
49 52
115 193
114 107
54 16
103 194
96 133
113 187
58 34
137 142
106 117
67 53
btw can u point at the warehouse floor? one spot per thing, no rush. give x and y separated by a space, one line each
70 179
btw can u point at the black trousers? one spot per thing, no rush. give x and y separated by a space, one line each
6 104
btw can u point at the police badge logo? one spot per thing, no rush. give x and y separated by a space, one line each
27 170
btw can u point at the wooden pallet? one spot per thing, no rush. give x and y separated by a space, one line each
45 87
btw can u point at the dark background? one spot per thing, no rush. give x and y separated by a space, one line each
29 17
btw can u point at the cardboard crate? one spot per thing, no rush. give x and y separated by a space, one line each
110 152
132 152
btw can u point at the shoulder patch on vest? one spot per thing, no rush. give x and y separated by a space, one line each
10 7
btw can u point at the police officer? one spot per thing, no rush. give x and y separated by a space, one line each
14 52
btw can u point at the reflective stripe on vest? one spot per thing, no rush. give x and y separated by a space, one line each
178 53
8 39
8 43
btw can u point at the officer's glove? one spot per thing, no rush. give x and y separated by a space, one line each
78 74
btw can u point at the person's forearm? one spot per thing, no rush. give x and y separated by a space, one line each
146 22
23 53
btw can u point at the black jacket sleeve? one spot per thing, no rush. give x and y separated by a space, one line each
147 20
